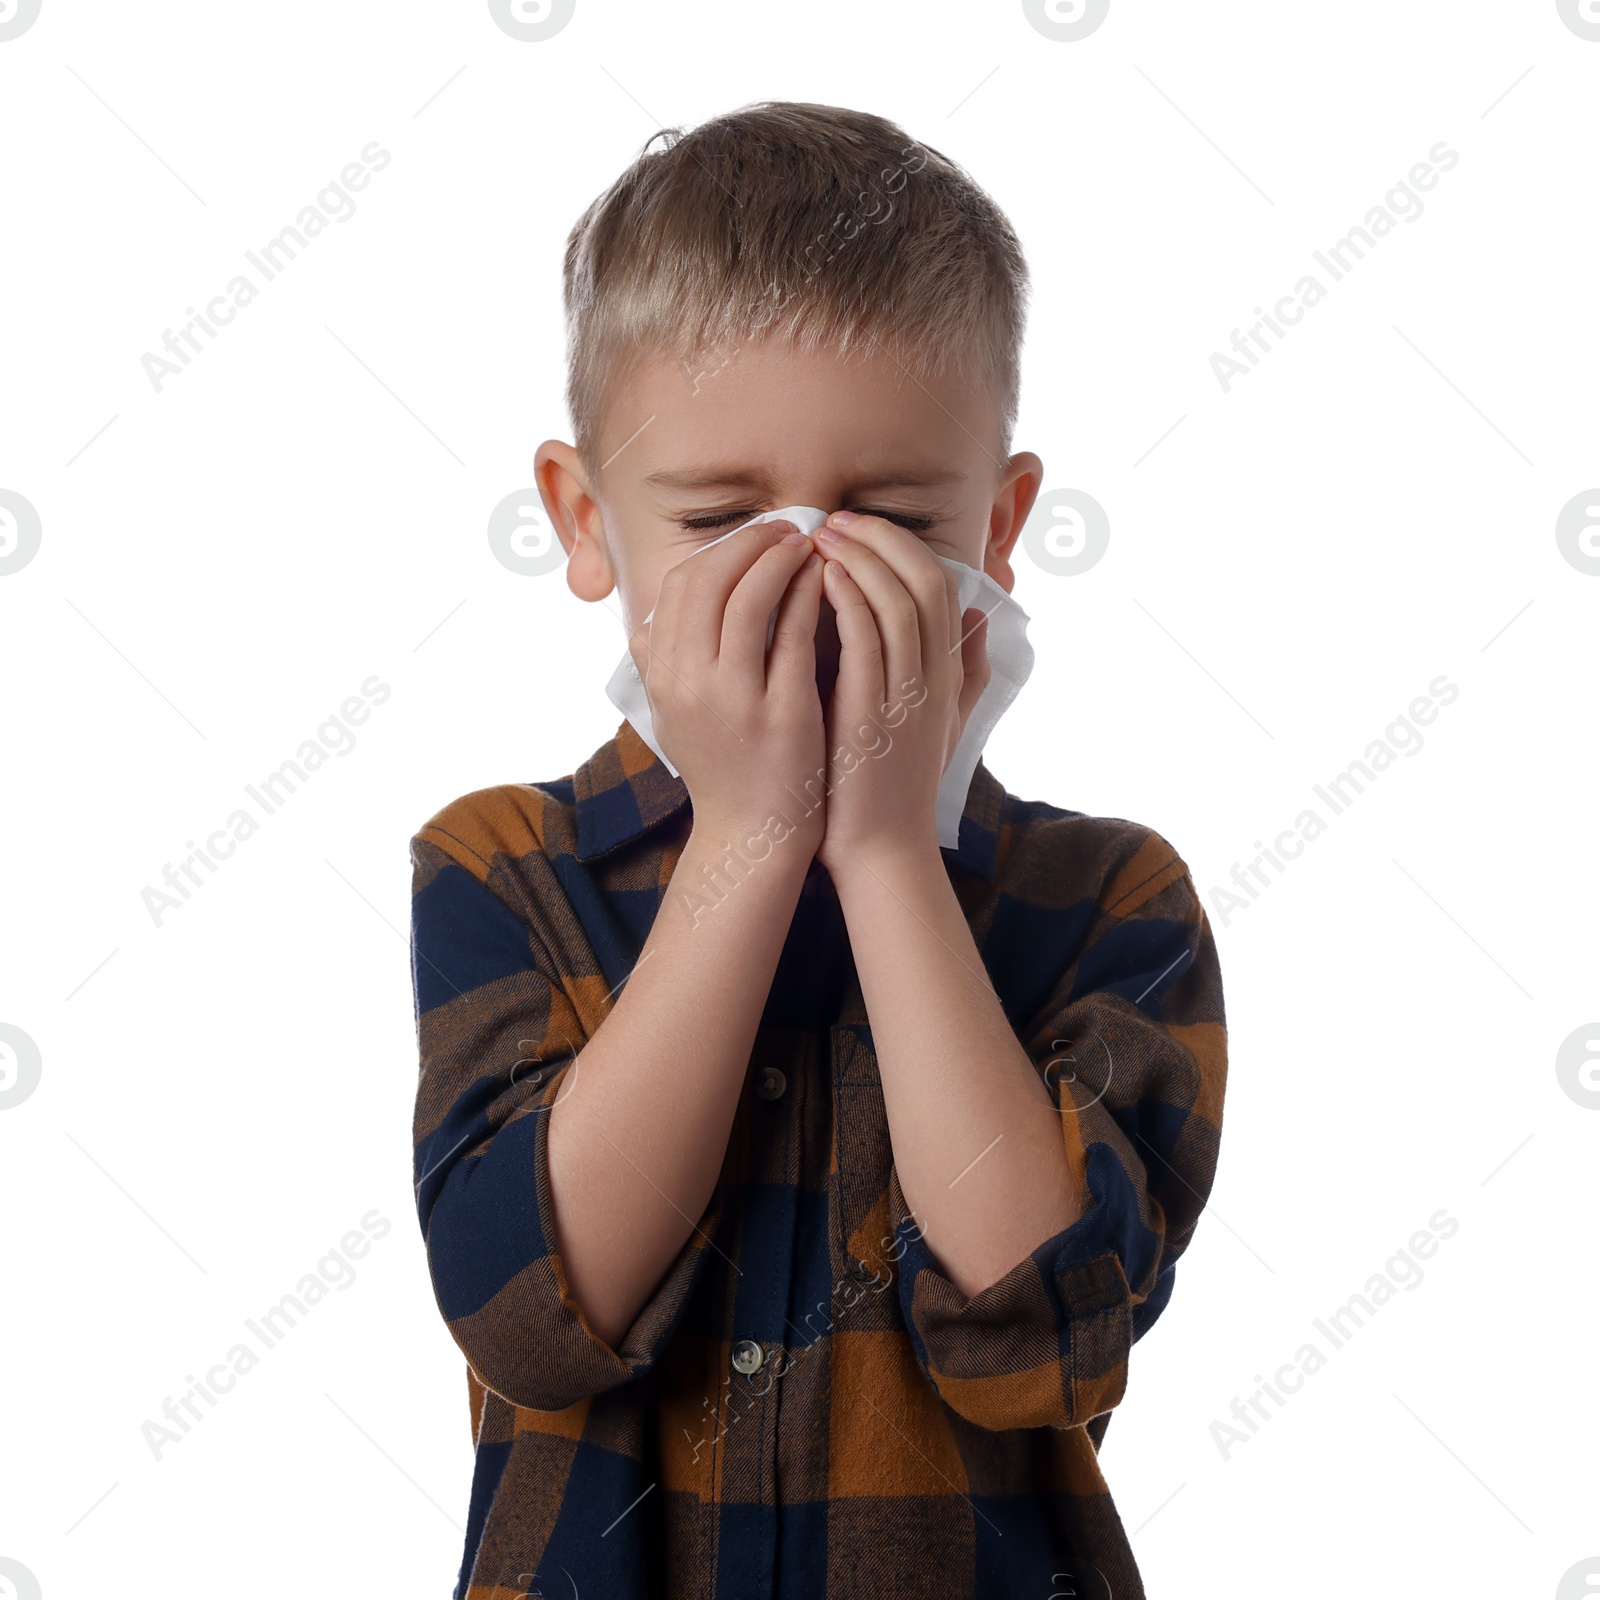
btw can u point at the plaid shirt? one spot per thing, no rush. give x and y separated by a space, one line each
806 1408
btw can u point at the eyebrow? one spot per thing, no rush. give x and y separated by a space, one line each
742 478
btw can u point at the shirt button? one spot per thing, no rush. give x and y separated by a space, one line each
747 1356
771 1083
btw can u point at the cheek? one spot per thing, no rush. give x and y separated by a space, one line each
639 589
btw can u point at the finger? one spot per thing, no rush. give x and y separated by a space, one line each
656 672
953 629
920 573
893 611
743 646
694 592
794 638
858 689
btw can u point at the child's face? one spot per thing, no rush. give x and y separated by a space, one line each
717 445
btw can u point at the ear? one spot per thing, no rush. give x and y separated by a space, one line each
574 513
1014 496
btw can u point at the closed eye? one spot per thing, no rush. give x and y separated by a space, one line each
722 519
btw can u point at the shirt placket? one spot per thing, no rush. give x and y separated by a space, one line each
757 1335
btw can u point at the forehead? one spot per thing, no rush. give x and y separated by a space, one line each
736 473
768 408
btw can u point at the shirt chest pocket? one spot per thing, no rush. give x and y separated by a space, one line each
858 1182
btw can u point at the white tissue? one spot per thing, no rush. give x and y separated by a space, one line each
1010 662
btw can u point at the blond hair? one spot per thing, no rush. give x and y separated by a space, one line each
817 224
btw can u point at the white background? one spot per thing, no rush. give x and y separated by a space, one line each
225 1095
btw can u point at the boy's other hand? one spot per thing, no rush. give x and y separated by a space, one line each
911 668
742 725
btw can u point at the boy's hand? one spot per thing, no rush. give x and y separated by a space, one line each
738 723
911 668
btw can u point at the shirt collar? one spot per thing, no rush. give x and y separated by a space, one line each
624 790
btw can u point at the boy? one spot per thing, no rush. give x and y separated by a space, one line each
796 1186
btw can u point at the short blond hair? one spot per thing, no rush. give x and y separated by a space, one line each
818 224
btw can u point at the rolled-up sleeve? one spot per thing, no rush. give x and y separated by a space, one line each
498 1039
1132 1047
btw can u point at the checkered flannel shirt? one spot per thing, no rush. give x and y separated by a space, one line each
806 1408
